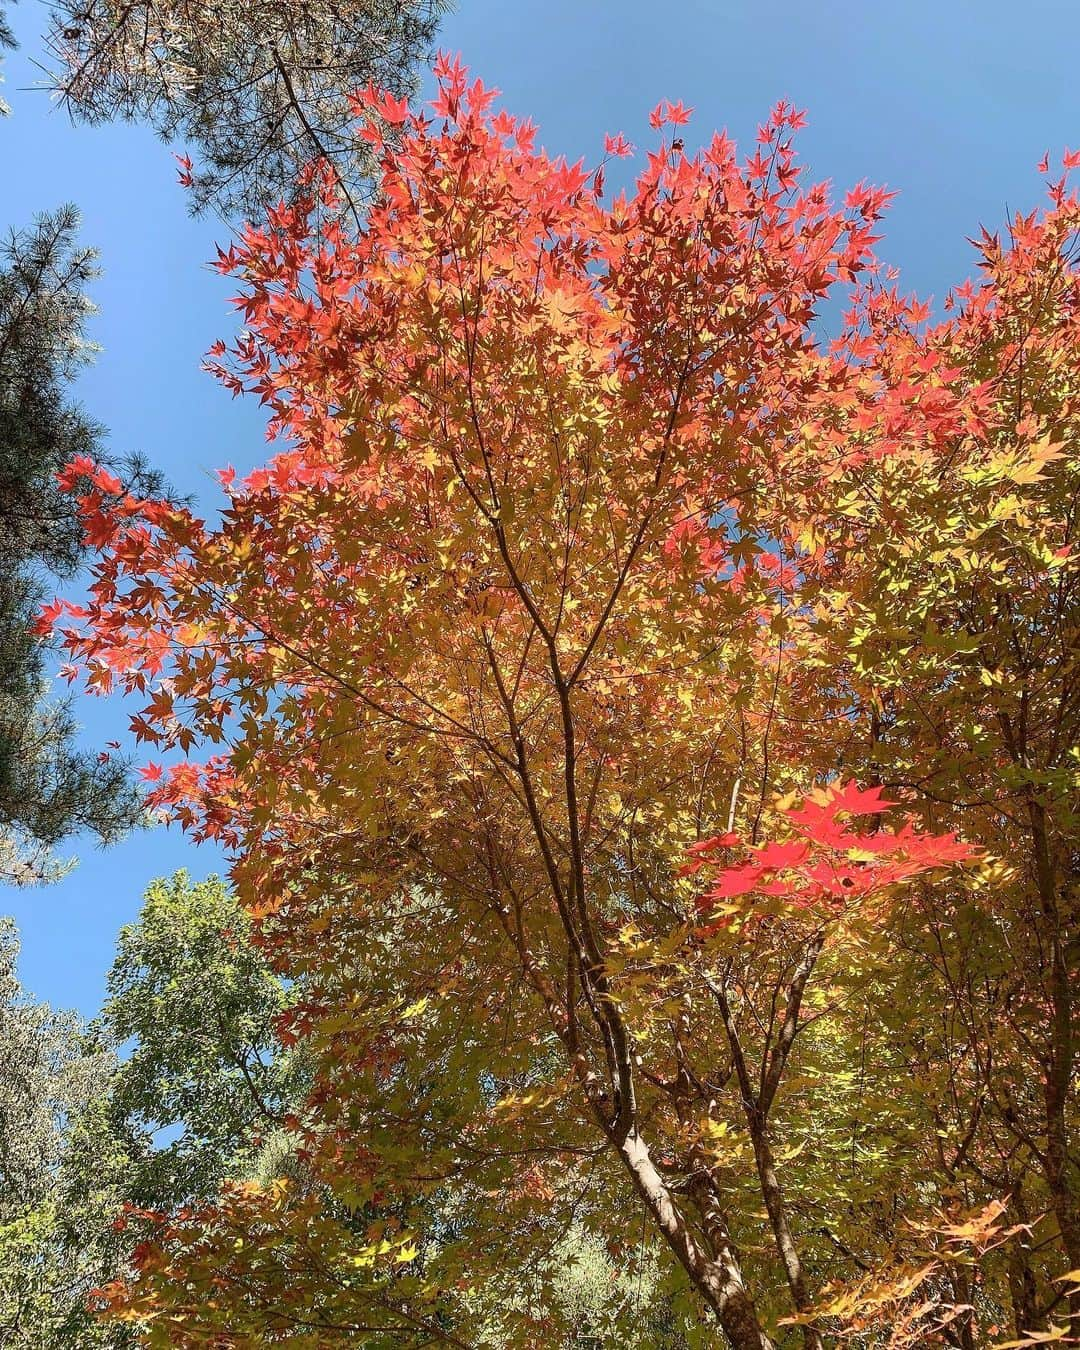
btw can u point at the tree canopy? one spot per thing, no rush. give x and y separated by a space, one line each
197 1004
646 736
58 1196
175 1088
256 93
50 787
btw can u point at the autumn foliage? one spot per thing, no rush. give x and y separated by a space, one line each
532 678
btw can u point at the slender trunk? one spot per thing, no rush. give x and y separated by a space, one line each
756 1111
1059 1068
1025 1309
1023 1291
717 1277
785 1240
963 1329
1062 1189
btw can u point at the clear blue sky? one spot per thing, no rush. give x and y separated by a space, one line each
950 102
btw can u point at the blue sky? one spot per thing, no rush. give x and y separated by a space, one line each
951 103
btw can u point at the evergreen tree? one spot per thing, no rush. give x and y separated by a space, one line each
7 39
257 92
49 788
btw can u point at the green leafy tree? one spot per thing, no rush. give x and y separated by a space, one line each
197 1103
197 1002
196 998
60 1172
196 1098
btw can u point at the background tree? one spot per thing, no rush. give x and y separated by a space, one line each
257 93
196 1004
173 1090
49 788
7 40
59 1191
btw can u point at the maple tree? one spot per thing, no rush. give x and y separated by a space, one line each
975 682
537 672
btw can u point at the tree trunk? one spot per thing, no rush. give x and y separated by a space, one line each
1059 1068
785 1241
717 1277
1022 1294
